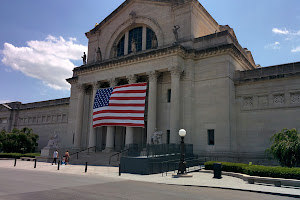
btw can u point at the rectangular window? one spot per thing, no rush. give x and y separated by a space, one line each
168 136
169 95
211 137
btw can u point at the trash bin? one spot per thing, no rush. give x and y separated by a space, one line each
217 170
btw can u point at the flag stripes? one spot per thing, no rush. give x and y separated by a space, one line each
120 106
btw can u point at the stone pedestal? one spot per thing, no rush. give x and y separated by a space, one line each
46 154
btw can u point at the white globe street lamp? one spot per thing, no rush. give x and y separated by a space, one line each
182 163
182 133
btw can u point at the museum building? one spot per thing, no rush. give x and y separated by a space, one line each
199 78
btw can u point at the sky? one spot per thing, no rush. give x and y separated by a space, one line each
42 41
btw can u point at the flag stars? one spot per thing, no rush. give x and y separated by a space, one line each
102 97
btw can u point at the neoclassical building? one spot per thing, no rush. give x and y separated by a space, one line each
199 78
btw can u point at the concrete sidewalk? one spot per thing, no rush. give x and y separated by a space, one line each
199 179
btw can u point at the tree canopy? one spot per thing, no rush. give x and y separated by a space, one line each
286 147
18 141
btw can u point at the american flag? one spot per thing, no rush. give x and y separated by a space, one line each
120 106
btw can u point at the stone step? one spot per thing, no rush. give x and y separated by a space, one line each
92 158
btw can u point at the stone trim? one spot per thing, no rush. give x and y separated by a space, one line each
42 104
72 80
273 100
157 53
43 119
123 29
267 73
152 76
127 2
176 71
131 79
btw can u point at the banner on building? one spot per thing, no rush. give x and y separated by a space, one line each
120 106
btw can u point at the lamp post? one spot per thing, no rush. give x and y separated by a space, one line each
182 163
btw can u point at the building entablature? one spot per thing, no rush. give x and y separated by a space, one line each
267 73
41 104
209 49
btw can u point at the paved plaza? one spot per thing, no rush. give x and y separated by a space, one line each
199 179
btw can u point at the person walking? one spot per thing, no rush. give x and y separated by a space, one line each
55 156
67 157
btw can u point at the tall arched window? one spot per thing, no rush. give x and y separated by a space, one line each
137 35
150 44
120 47
143 36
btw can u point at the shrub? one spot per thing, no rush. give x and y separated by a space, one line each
10 155
257 170
19 141
18 155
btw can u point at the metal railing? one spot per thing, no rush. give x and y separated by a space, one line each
157 150
118 154
172 165
83 150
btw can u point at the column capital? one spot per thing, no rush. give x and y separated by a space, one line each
80 87
95 85
112 82
176 71
152 75
131 79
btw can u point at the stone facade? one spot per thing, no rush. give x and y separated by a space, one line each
46 119
204 82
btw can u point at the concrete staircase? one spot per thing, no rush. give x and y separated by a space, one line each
97 159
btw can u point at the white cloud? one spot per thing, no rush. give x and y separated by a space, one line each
5 101
48 60
280 31
296 50
275 46
290 34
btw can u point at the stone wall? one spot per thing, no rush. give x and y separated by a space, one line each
45 118
267 100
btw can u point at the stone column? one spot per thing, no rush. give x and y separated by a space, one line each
92 135
79 116
151 117
110 138
175 104
126 42
144 38
130 130
110 134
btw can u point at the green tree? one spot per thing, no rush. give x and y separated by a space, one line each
286 147
19 141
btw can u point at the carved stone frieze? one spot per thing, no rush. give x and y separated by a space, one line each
279 99
248 103
295 97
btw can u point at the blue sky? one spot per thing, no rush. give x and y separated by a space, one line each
41 41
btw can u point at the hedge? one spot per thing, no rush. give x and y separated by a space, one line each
257 170
18 155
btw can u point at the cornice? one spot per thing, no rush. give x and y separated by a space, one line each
268 73
123 5
159 53
72 80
